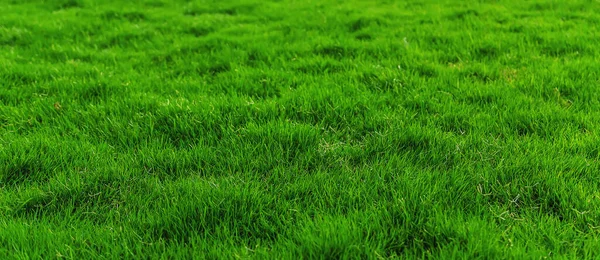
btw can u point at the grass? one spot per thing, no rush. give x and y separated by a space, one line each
299 129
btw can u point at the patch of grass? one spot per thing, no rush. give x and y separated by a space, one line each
299 129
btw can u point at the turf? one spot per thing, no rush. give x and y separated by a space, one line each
299 129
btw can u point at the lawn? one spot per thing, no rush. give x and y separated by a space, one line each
314 129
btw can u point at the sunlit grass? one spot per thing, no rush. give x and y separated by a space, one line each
299 129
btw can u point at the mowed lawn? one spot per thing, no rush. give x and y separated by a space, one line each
290 129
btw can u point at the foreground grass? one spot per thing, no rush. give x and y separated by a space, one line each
286 129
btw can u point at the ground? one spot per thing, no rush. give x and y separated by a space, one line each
299 129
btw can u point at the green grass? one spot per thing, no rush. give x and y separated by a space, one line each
299 129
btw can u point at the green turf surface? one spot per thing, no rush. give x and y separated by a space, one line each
299 129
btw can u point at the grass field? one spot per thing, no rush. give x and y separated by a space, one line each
299 129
